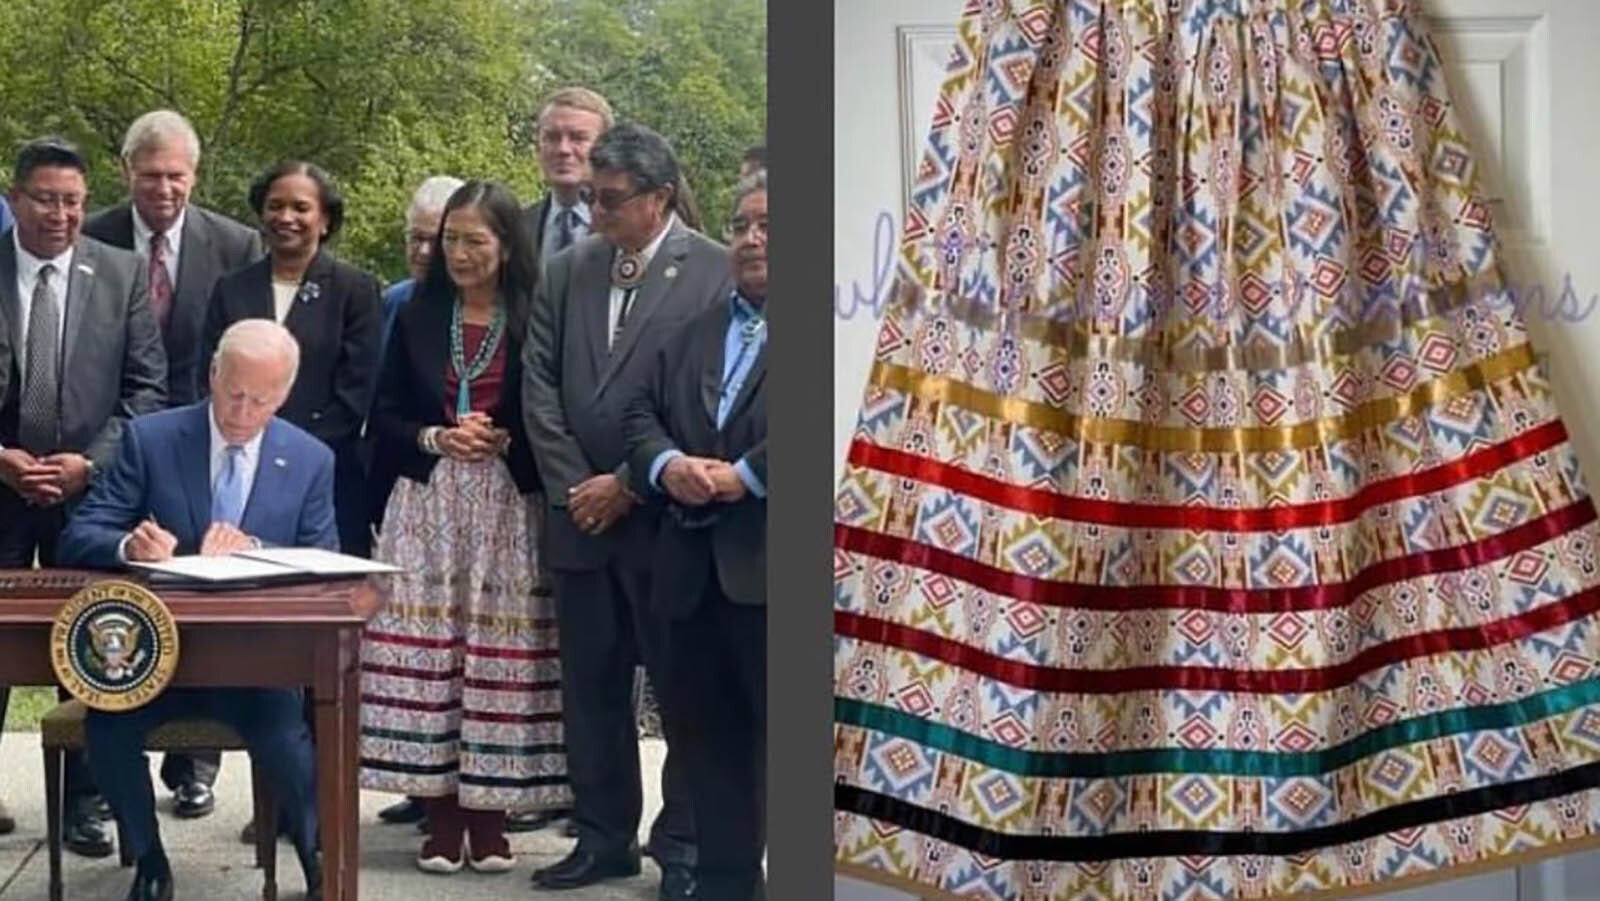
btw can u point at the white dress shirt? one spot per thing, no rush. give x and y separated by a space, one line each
141 241
283 298
219 455
649 254
28 267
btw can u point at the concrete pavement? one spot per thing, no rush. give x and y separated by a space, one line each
209 862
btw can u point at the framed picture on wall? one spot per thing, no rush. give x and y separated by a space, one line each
924 57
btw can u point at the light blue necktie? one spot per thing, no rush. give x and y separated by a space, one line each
227 496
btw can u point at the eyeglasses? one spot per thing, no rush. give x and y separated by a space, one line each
419 239
66 202
612 199
738 228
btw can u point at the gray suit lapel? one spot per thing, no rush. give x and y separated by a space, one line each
8 287
193 254
591 287
752 381
713 356
80 292
659 279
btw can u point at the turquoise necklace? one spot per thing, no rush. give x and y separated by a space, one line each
466 372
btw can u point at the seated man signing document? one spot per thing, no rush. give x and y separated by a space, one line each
210 478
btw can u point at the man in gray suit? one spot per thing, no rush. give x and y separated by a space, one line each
69 304
186 248
601 309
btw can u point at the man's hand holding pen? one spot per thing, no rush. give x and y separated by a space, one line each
149 543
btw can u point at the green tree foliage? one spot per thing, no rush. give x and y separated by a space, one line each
381 93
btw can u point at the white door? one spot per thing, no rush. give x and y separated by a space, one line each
1526 72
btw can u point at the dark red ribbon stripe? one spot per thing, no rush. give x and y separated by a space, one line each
1042 502
1325 596
1206 678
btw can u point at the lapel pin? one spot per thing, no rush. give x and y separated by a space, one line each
671 271
279 461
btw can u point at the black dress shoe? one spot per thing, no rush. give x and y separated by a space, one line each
534 820
101 810
583 867
86 837
677 883
406 810
193 800
151 886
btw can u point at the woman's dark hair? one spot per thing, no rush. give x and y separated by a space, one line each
519 268
332 201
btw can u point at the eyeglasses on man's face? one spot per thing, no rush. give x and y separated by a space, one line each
739 227
612 198
52 201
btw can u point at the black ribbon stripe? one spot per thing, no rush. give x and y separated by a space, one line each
1197 842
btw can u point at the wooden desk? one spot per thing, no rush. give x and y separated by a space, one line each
301 635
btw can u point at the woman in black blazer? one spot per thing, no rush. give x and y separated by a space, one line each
461 672
330 307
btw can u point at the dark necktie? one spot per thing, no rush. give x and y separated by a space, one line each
622 315
564 227
160 281
38 420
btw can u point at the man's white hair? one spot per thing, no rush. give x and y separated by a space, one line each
258 339
432 195
160 128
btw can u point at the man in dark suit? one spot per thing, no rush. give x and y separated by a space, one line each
186 248
569 122
697 432
70 304
597 315
211 478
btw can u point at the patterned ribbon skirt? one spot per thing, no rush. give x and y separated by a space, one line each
1209 529
460 670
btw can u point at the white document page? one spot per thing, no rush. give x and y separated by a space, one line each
216 569
318 561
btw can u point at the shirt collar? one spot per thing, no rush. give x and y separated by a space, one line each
28 265
219 444
142 231
580 208
742 308
650 249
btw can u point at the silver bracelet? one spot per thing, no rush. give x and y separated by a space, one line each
428 440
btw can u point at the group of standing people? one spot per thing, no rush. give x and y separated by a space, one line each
555 427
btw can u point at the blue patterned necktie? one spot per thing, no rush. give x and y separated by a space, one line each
227 496
564 235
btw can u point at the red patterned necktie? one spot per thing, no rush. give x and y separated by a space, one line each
160 280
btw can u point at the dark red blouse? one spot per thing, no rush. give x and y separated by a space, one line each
484 394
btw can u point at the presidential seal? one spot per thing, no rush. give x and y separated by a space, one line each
114 645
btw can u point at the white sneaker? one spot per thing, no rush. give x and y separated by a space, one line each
492 863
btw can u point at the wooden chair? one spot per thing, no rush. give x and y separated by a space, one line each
61 730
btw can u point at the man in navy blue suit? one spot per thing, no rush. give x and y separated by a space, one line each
210 478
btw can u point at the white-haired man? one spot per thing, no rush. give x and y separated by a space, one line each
207 456
186 248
